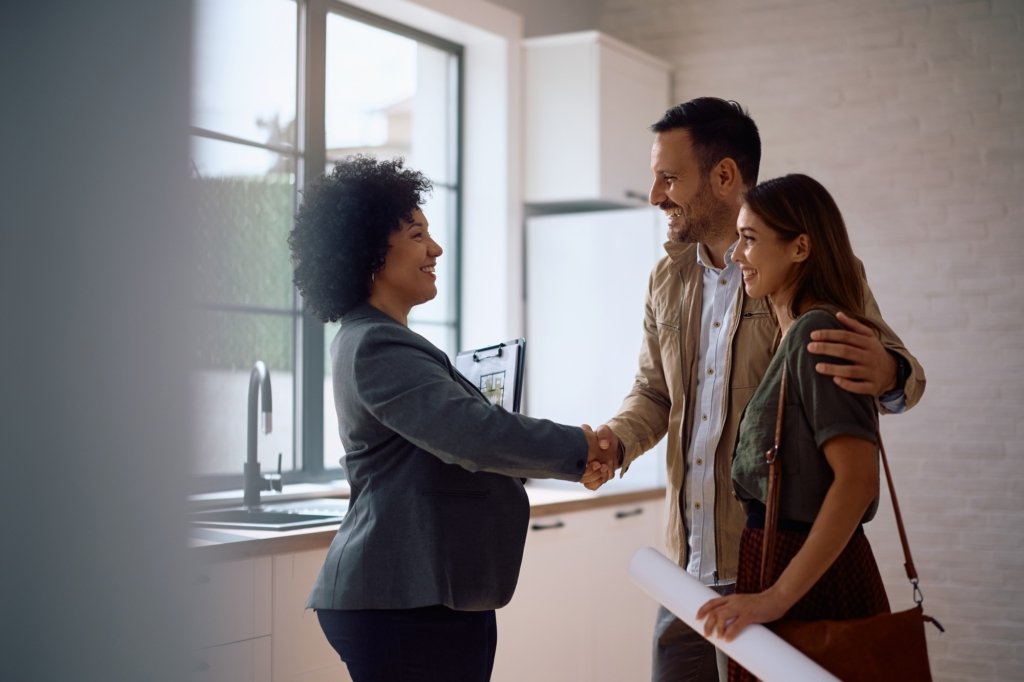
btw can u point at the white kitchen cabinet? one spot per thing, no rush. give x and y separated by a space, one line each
589 101
586 275
245 661
622 628
231 612
231 601
576 616
251 623
543 631
301 653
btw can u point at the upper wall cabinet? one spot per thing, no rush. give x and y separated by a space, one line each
589 102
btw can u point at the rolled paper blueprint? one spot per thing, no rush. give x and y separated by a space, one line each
757 648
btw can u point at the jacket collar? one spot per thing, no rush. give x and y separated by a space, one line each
683 256
365 311
690 255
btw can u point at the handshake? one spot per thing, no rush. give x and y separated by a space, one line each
603 456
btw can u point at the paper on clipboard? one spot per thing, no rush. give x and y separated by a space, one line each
497 371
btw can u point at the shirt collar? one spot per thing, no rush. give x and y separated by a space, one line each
706 263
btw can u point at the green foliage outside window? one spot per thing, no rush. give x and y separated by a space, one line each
243 260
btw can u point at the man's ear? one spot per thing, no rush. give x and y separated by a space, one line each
725 177
801 248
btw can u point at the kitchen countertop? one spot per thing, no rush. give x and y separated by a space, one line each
546 498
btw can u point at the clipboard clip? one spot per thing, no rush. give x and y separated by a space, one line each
490 352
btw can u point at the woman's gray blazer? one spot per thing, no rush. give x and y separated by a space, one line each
438 513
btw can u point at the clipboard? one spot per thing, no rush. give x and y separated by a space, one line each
497 371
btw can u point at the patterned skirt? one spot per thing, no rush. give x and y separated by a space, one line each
850 588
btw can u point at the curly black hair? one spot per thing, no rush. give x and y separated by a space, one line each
341 230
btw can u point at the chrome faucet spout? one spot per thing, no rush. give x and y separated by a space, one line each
259 387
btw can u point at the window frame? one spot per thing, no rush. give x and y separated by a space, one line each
310 158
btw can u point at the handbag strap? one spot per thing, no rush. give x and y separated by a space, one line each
908 561
771 515
771 518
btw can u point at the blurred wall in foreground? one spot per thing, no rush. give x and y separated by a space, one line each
94 329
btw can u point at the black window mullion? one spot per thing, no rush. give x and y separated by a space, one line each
310 344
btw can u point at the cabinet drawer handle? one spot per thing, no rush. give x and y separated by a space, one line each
547 526
626 514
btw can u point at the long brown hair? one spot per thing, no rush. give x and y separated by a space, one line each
798 204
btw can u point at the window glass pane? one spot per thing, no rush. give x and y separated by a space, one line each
441 335
245 210
244 69
333 450
434 109
439 209
388 96
227 346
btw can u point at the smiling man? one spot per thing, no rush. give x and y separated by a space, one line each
706 346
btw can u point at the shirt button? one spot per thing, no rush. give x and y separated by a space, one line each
716 325
722 281
704 417
696 505
710 371
699 461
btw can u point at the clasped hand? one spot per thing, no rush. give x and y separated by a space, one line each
602 456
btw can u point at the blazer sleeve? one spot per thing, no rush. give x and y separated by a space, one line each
913 389
408 387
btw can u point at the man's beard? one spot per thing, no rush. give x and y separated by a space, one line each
704 219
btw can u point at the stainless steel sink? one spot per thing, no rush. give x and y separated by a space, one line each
276 516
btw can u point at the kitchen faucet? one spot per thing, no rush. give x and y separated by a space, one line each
259 383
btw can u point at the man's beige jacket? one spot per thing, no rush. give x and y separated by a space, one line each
667 377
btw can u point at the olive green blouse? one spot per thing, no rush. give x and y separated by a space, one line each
816 411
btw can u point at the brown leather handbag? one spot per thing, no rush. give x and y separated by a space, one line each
887 646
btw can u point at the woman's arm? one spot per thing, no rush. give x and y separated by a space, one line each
407 386
854 462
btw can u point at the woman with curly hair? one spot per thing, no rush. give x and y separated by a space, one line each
794 249
433 539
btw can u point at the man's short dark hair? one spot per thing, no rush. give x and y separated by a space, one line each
719 129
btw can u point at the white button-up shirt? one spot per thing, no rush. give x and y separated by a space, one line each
721 286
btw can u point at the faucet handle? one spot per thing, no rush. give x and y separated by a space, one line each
275 479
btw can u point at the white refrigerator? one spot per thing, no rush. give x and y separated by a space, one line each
586 274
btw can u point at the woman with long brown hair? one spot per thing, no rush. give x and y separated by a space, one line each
794 249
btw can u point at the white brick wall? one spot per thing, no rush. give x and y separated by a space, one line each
912 113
